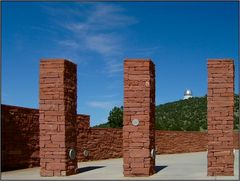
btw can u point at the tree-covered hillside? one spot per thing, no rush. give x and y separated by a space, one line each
189 114
182 115
236 112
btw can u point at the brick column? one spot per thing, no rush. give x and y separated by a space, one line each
139 106
57 109
220 103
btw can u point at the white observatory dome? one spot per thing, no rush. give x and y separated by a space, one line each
187 94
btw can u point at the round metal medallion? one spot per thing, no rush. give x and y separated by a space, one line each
85 153
135 122
72 154
147 84
153 153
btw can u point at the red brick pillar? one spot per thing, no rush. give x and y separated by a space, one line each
220 103
58 101
139 118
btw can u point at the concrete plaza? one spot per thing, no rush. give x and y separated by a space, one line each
184 166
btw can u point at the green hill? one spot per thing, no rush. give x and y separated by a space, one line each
185 115
182 115
103 125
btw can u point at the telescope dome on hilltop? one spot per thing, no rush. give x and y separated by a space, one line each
187 94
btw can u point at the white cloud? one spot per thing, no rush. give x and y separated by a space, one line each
77 27
101 17
147 51
111 16
101 104
104 44
106 96
110 96
69 43
96 28
114 67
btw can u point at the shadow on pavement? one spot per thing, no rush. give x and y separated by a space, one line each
159 168
88 168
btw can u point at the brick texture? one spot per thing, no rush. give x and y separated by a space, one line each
20 138
101 143
168 142
220 105
105 143
139 103
57 108
83 121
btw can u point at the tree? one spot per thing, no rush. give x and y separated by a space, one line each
103 125
181 115
115 118
236 111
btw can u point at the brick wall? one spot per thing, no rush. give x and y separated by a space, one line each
236 138
220 105
83 121
180 142
20 140
102 143
20 137
139 105
57 116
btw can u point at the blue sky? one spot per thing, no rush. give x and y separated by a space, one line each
178 36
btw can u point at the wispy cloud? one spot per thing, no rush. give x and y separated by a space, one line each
110 95
69 43
101 17
99 28
148 50
96 28
104 44
101 104
106 96
114 67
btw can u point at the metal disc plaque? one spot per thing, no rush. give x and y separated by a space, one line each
72 154
85 153
147 84
135 122
153 153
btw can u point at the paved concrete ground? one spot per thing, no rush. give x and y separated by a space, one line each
185 166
